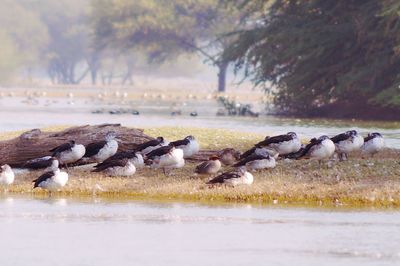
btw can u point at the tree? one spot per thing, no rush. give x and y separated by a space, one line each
322 55
165 29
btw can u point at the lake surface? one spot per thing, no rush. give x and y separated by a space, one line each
16 115
59 231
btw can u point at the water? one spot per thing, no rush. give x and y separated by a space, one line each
15 115
71 232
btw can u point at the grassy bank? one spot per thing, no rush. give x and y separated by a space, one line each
357 182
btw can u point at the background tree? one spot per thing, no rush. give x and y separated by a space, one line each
164 29
321 55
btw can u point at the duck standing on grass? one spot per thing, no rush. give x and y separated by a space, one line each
320 149
188 145
229 156
346 143
69 152
52 180
151 145
282 144
46 163
117 167
135 158
166 157
102 150
236 177
373 143
212 166
257 161
6 175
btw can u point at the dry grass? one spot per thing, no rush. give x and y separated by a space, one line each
355 183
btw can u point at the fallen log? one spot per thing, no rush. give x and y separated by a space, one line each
35 143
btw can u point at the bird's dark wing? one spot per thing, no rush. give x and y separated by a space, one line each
250 158
118 156
275 139
248 152
179 142
224 176
39 163
63 147
93 148
368 138
303 151
42 178
340 137
115 163
150 143
159 152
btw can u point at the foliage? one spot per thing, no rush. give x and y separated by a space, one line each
321 53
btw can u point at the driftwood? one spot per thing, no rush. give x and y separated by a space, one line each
35 143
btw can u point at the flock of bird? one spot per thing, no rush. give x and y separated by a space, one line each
161 154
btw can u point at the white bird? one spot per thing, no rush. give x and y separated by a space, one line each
321 148
48 163
151 145
117 167
347 142
102 150
6 175
52 180
373 143
134 157
282 144
189 146
239 176
69 152
166 157
257 161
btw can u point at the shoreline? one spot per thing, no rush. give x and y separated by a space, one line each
356 183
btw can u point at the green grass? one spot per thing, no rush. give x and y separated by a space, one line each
358 182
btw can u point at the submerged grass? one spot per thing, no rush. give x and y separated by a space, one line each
358 182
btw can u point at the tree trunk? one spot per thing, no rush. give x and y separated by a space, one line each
222 69
35 143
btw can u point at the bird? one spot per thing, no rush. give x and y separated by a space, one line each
236 177
47 163
52 180
6 175
117 167
165 157
134 157
151 145
229 156
102 150
373 143
321 148
257 161
258 150
189 145
212 166
282 144
347 142
68 153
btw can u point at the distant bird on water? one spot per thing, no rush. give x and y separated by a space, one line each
6 175
102 150
117 167
189 146
212 166
69 152
373 143
236 177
